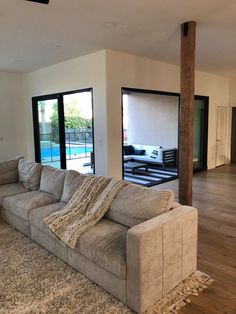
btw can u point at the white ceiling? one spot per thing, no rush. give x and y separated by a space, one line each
34 35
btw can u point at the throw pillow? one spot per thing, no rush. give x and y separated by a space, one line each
29 174
52 181
128 150
139 152
9 171
154 154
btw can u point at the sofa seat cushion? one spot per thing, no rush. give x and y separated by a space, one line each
147 159
21 204
127 158
135 204
37 215
11 189
105 245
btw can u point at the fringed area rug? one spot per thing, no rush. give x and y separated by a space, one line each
33 281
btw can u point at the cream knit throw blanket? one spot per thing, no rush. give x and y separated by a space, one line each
87 206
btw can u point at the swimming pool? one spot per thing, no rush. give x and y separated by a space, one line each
74 152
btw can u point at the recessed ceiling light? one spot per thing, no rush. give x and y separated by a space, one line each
110 24
40 1
17 60
54 46
124 25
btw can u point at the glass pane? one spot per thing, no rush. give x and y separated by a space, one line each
197 134
79 131
49 132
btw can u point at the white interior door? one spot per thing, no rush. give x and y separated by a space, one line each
221 131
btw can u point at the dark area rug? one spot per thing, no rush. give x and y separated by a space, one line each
151 177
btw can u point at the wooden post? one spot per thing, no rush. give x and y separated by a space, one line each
188 37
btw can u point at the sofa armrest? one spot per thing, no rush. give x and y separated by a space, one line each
169 156
161 252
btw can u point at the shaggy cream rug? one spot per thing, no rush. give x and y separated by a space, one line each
33 281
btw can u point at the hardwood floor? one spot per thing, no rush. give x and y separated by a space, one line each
214 195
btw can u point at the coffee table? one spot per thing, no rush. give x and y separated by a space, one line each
132 165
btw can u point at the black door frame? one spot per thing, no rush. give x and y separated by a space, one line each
164 93
233 136
61 123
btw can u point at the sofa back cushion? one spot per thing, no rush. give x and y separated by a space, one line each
52 181
72 180
29 174
128 150
134 204
9 171
139 152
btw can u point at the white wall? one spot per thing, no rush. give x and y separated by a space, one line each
79 73
10 110
124 70
152 119
106 72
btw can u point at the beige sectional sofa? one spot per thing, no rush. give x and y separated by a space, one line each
143 247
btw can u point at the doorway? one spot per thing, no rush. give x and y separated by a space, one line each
150 136
233 136
150 123
63 130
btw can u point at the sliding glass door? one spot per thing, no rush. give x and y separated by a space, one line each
48 145
200 133
63 130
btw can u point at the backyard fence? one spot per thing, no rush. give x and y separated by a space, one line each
79 144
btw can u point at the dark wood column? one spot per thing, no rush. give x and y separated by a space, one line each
188 37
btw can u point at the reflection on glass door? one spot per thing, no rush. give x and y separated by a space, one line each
49 138
200 133
63 130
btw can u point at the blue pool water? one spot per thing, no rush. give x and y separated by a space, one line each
55 151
